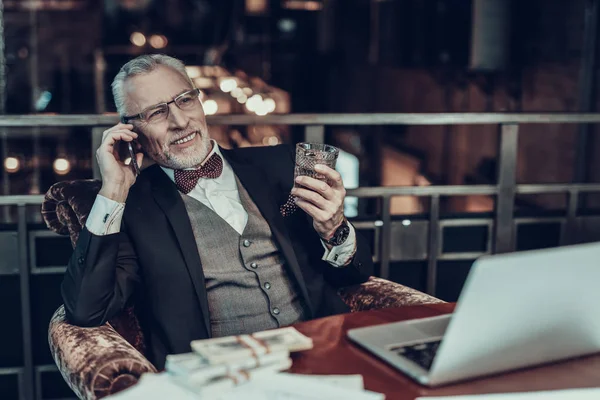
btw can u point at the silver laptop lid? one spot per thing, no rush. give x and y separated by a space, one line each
523 309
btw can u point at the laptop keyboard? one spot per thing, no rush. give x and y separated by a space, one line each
420 353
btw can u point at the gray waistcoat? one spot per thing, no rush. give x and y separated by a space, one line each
247 285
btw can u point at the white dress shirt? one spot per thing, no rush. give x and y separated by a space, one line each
220 195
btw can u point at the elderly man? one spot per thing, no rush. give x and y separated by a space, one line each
200 240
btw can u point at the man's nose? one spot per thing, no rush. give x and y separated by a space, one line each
177 118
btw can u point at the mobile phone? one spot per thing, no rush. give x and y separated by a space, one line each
127 150
133 163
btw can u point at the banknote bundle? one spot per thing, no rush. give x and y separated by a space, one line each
222 363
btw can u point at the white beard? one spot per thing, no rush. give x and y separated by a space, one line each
189 158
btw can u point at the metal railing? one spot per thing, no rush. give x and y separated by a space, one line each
502 226
505 189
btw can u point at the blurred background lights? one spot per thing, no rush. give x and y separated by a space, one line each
269 105
270 140
61 166
308 5
11 164
228 84
138 39
237 92
43 101
134 5
261 109
286 25
158 41
210 107
242 98
254 103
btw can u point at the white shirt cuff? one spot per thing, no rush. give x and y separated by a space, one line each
105 216
339 256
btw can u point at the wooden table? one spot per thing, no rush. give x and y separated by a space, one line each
334 353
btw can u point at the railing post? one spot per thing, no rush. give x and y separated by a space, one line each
569 230
35 176
434 240
96 141
26 389
314 134
505 203
5 176
2 62
99 69
587 80
386 238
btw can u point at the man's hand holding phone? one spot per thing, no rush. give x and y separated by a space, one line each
117 177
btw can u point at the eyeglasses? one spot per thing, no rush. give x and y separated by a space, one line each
160 112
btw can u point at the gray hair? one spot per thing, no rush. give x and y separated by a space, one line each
143 64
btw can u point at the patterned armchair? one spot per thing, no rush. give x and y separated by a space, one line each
96 362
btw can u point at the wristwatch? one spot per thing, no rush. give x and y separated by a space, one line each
340 235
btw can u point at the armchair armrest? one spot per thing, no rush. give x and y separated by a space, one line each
67 204
95 362
379 293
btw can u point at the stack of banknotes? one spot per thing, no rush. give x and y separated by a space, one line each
222 363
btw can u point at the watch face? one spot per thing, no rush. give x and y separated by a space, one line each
340 235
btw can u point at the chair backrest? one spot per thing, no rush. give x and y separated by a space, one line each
65 209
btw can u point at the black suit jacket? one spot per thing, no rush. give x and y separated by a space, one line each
154 260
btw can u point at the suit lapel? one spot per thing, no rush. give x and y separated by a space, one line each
261 190
168 199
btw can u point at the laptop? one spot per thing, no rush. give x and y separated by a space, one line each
515 310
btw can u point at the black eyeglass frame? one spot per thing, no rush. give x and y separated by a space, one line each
125 119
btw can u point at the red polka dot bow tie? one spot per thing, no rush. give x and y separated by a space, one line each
187 179
289 207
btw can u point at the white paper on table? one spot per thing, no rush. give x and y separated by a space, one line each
272 387
353 382
569 394
289 387
154 387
